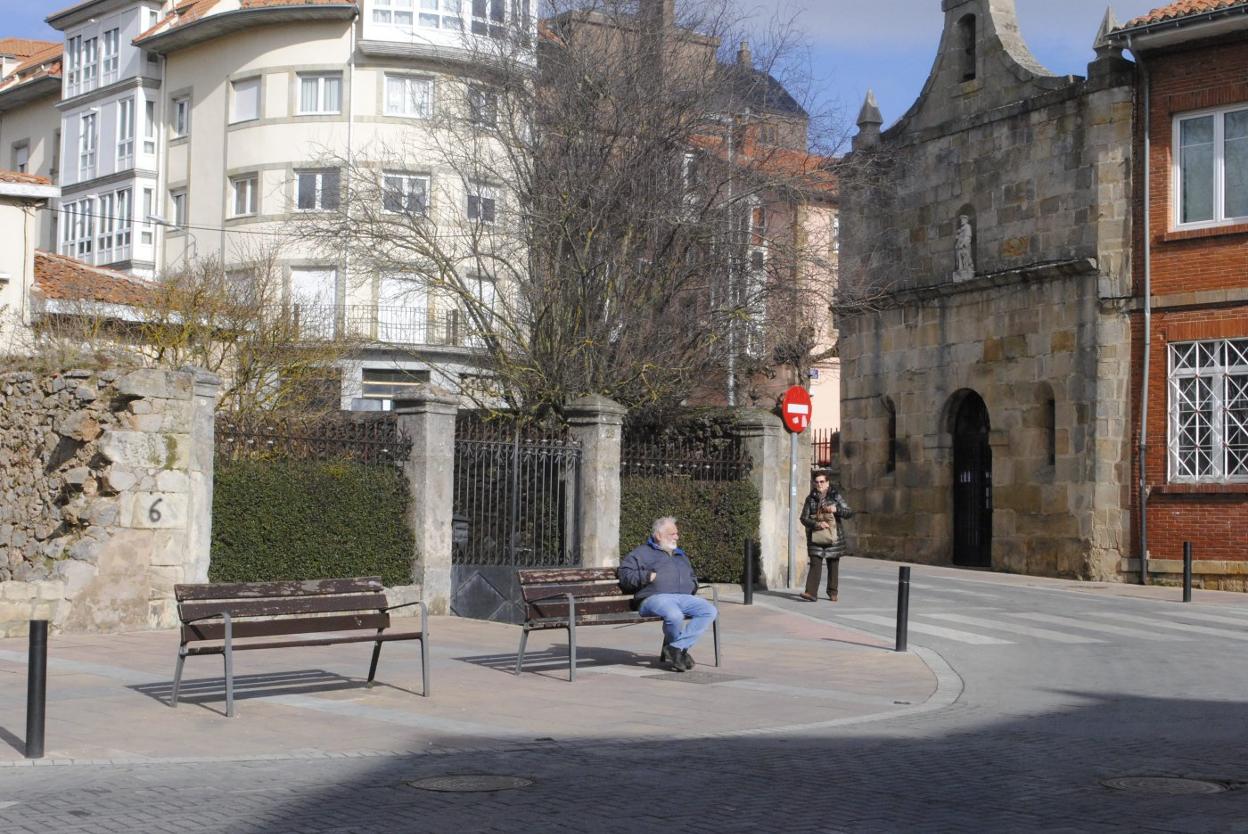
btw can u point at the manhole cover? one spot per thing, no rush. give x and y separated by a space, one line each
470 783
1163 785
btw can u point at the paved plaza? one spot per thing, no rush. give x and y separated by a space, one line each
998 720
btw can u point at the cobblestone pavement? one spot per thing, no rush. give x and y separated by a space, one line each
1039 726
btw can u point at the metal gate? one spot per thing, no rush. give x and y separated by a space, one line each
517 494
972 485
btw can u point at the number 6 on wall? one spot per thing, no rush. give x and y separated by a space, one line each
153 514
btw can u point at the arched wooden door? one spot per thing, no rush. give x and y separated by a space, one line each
972 484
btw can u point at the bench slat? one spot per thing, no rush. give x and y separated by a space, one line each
286 588
608 619
538 576
215 629
289 605
319 641
543 610
584 589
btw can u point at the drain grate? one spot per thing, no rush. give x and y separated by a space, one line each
1164 785
470 783
695 677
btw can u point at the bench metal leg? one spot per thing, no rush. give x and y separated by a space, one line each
524 638
372 667
177 676
229 666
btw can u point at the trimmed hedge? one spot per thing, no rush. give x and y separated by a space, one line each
715 517
300 519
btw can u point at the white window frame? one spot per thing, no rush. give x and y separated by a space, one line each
489 17
149 126
404 180
177 207
320 84
406 104
87 63
318 313
1207 431
78 229
400 14
181 125
88 140
148 234
440 14
109 59
482 104
244 190
1220 218
315 178
73 75
245 84
21 157
125 132
481 204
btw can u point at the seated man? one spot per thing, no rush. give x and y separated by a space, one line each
663 582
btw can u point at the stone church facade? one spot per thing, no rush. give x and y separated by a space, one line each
986 254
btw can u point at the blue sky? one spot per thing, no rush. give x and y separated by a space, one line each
850 45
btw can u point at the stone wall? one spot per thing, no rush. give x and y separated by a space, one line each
1035 324
105 496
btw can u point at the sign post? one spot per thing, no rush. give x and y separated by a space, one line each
796 408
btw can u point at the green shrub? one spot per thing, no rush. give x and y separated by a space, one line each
293 519
714 518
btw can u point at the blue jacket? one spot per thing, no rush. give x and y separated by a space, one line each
674 572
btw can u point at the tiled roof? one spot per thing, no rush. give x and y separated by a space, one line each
189 11
42 63
62 278
23 179
182 14
257 4
1180 9
23 47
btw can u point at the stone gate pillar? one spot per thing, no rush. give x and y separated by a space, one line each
597 425
765 440
428 420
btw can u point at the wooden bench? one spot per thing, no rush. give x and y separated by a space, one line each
223 613
571 597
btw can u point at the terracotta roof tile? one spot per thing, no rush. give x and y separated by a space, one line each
45 62
1180 9
23 47
256 4
23 179
65 279
191 10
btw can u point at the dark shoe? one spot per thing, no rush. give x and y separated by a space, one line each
832 597
807 597
686 660
672 659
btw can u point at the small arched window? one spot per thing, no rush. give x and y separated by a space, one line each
890 410
1047 403
966 42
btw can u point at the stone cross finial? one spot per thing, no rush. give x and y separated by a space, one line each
870 112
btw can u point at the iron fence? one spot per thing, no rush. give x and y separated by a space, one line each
825 448
516 493
364 438
379 323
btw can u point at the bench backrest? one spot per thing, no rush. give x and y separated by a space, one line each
596 590
263 609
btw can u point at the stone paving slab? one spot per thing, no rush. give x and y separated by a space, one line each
107 694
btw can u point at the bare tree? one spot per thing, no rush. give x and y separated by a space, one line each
593 214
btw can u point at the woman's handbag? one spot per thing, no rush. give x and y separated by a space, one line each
825 537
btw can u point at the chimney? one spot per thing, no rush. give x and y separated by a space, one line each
744 58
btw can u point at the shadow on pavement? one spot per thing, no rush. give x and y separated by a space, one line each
203 691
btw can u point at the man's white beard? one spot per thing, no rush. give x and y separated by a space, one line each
667 547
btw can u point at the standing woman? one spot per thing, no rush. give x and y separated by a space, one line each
825 538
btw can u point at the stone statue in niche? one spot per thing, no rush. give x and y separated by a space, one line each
964 258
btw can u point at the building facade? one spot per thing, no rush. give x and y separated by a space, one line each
30 126
985 388
1190 296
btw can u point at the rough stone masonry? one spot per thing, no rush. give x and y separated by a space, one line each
105 496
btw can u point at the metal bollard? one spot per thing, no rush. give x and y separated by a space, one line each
36 688
749 572
1187 571
903 606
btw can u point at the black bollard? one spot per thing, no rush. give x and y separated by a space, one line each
36 688
1187 571
903 606
749 572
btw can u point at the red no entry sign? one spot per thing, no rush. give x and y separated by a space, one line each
795 406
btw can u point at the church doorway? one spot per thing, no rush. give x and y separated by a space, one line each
972 484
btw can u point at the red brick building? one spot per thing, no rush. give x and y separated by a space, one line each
1190 305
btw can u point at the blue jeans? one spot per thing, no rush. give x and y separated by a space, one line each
673 608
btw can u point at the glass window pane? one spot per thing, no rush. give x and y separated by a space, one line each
306 196
307 95
333 95
1196 169
329 189
1235 156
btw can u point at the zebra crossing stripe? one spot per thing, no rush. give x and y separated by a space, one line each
1213 618
1014 628
1103 628
935 630
1191 629
923 586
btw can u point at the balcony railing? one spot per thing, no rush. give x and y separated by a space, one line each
382 324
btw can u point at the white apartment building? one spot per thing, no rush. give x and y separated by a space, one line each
30 126
201 129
